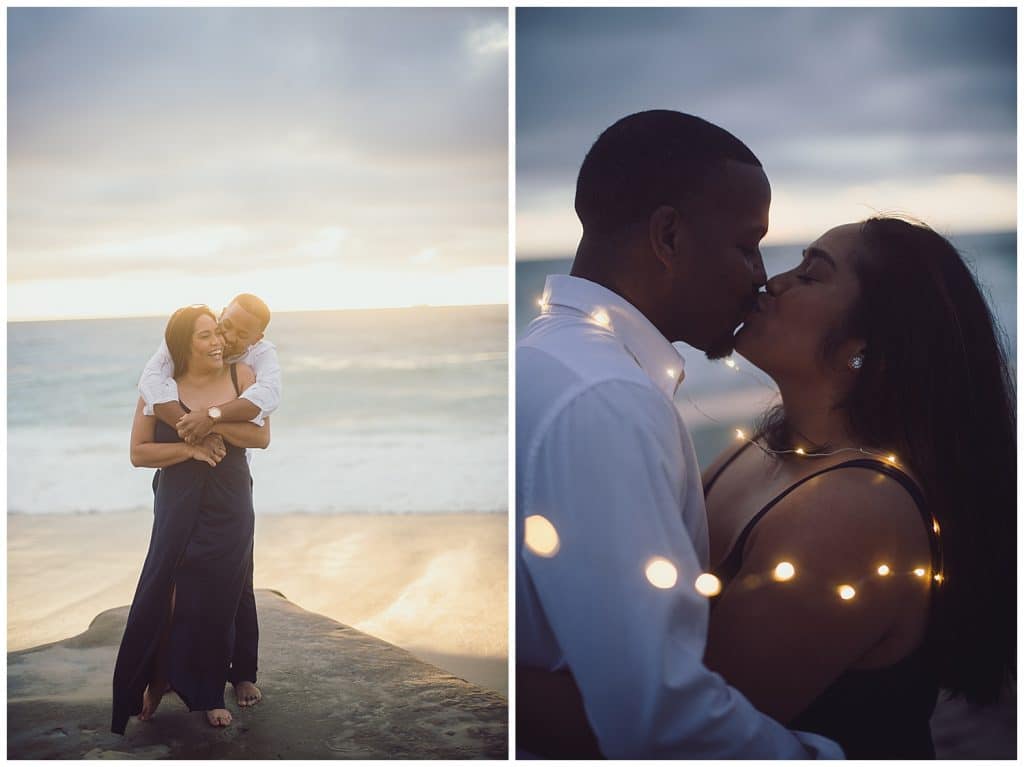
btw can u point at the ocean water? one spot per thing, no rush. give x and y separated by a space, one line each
398 410
715 400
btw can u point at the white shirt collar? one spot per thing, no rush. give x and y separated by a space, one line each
651 350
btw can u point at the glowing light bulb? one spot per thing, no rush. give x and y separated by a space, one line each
884 570
661 573
800 451
731 363
740 434
919 572
935 526
891 458
939 578
601 317
707 585
540 536
784 571
847 592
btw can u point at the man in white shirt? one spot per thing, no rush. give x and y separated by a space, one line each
611 525
241 324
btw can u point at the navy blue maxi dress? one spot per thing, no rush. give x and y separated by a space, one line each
201 544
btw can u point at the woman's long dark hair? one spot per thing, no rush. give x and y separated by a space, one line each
178 334
935 389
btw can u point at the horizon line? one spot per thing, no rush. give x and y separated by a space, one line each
398 307
549 256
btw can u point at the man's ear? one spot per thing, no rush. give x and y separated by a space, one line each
664 228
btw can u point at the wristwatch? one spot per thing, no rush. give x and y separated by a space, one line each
214 413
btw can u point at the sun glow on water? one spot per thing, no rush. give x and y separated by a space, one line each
313 287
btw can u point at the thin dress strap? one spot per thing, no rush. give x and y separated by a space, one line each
723 467
730 566
234 377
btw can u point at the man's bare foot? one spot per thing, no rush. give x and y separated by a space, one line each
247 694
151 699
218 717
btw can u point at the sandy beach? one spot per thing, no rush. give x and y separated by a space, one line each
434 584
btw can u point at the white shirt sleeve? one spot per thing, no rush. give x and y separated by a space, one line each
265 392
608 473
157 382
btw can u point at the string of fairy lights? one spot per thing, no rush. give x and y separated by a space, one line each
541 537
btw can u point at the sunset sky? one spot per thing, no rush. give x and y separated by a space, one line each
851 111
320 158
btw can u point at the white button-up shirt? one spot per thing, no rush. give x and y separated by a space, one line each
603 456
157 383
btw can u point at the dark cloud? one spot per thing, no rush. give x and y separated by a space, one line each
126 122
855 94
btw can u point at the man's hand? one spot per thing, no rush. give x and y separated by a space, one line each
193 427
210 449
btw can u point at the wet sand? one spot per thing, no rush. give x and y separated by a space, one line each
436 585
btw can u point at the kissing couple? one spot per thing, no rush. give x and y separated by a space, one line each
811 591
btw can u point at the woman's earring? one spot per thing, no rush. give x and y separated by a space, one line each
856 362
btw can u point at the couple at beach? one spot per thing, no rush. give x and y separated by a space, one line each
812 590
205 400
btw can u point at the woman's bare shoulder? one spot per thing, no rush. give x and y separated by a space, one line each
723 458
851 519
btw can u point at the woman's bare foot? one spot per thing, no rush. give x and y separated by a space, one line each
247 694
151 699
218 717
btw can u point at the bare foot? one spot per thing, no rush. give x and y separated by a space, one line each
247 694
151 699
218 717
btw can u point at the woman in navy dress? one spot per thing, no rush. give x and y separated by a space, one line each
180 628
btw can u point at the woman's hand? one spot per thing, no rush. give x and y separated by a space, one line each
211 449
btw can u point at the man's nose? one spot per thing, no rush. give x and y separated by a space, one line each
759 273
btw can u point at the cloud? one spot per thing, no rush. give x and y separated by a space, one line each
832 97
211 140
489 39
425 256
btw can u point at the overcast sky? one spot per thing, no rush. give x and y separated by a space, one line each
849 110
319 157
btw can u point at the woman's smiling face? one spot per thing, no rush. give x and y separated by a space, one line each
785 335
207 345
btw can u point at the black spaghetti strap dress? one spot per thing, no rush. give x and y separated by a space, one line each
878 713
200 545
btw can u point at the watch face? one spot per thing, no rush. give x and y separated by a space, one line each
213 412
